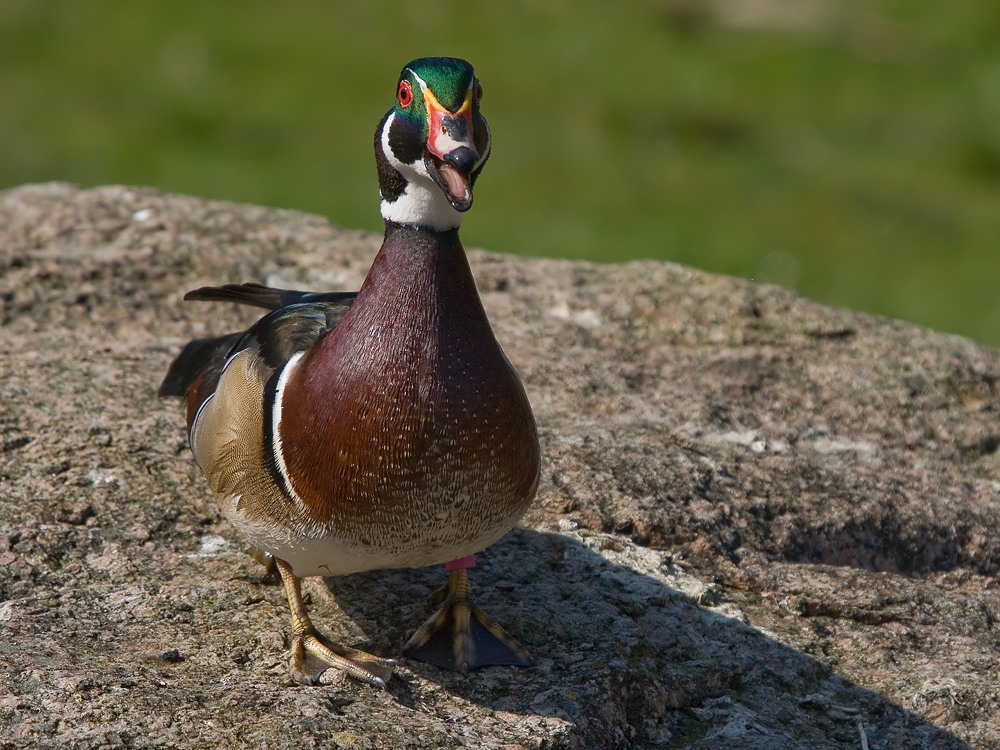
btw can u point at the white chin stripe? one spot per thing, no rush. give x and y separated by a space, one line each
422 202
422 206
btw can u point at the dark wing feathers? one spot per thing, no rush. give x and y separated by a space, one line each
199 357
297 321
295 328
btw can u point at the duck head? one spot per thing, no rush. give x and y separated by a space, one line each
432 145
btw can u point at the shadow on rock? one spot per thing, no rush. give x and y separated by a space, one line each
630 651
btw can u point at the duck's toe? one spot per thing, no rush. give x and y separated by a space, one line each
337 660
460 636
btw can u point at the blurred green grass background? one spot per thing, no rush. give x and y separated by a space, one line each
849 149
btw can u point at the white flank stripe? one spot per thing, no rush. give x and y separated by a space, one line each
194 425
279 455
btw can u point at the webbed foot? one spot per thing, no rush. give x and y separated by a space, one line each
460 636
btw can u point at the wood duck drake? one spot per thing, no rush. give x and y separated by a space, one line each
346 432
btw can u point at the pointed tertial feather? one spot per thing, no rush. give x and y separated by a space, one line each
267 297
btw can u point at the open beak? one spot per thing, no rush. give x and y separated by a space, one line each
451 156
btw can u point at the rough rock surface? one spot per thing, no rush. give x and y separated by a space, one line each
762 522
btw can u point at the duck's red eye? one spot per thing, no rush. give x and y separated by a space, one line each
405 93
478 91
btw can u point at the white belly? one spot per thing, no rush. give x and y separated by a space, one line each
321 552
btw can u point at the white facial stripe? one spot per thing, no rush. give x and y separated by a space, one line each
423 84
489 145
279 455
422 202
417 167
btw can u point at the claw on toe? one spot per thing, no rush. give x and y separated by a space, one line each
372 670
337 660
460 636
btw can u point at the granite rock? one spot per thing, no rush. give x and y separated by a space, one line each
762 522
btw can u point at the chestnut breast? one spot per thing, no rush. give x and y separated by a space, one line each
407 429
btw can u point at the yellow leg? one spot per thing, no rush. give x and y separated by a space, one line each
461 636
305 639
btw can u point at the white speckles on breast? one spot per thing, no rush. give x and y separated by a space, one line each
410 439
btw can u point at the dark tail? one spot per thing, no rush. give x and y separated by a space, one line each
259 295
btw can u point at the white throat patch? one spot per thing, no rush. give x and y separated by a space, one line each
422 202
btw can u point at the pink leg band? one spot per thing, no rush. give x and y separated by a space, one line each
461 563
